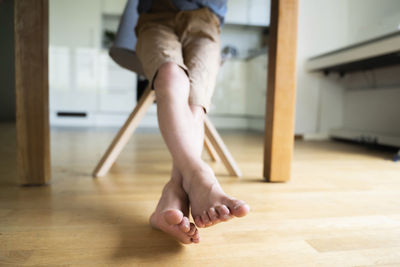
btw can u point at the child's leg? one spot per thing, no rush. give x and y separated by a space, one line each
157 43
181 133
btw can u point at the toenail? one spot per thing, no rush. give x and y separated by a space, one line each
237 207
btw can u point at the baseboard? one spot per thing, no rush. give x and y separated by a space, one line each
366 137
316 136
101 120
116 119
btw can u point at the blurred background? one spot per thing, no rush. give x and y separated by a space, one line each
88 89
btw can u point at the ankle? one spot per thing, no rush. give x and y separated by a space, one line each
176 179
197 176
174 186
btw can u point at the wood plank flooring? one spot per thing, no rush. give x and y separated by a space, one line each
341 207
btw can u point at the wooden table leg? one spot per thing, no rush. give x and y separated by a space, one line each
32 90
279 121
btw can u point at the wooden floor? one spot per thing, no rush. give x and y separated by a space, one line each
341 208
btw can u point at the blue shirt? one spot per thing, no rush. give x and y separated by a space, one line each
216 6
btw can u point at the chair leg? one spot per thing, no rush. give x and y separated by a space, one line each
124 134
222 151
211 150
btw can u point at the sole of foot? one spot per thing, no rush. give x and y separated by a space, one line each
173 223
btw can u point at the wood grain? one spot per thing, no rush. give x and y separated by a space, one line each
333 212
32 91
279 121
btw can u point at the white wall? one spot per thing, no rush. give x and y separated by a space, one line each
324 26
371 18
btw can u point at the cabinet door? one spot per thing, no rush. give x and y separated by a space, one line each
257 89
75 23
230 92
220 100
117 87
114 7
238 88
237 12
259 12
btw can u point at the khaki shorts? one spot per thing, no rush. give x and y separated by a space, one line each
188 38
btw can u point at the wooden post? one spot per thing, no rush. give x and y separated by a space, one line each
279 121
32 90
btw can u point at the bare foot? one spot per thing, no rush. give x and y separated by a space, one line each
171 214
209 203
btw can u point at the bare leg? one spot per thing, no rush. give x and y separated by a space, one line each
172 211
182 131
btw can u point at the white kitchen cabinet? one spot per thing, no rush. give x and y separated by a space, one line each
259 12
83 78
241 88
250 12
237 12
256 86
75 23
117 88
113 7
229 96
74 38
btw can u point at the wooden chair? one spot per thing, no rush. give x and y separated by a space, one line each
123 54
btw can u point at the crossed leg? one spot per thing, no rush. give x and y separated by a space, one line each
181 126
172 212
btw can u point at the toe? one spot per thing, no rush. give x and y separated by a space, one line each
206 220
185 225
173 216
223 212
196 237
213 215
186 240
199 222
237 208
192 230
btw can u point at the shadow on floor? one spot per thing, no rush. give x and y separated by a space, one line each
137 239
